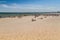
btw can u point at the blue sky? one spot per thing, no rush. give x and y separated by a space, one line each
29 5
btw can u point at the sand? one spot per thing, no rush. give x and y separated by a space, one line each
24 28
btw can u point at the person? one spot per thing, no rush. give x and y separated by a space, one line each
33 19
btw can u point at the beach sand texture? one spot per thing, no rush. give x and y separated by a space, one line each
23 28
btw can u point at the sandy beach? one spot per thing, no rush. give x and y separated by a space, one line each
43 28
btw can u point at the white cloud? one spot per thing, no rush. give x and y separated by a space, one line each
7 6
28 8
4 5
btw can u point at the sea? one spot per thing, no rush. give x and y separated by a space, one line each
13 14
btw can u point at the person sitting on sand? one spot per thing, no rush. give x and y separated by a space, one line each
33 20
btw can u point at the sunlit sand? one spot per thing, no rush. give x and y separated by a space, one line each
43 28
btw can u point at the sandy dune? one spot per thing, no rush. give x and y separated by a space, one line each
24 29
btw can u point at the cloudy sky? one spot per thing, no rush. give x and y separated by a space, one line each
29 5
